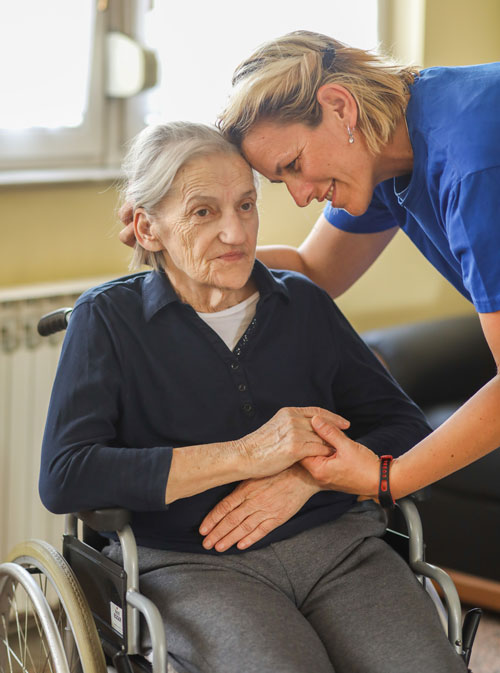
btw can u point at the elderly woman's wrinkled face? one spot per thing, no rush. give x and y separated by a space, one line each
208 225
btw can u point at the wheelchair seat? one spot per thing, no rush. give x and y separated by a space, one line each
86 607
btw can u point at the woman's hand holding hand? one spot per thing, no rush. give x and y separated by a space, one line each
256 507
285 439
126 215
351 468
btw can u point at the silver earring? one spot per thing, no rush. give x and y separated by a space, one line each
351 135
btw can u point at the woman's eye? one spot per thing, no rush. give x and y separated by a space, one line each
248 205
202 212
293 165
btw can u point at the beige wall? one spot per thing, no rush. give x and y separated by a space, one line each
461 32
59 232
68 231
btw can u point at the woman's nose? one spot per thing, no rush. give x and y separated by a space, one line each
232 230
301 192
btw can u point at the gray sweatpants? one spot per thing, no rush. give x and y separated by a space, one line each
333 599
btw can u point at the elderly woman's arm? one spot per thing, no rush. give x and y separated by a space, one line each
256 507
284 440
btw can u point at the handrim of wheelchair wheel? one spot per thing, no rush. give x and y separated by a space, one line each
23 642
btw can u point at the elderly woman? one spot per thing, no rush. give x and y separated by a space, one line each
386 147
194 383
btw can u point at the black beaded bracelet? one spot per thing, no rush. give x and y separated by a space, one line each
384 490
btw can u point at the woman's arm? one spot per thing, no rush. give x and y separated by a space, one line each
470 433
332 258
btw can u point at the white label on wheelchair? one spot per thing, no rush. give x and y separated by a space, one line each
116 618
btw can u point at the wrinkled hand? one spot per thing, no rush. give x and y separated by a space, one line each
256 507
285 439
126 215
352 467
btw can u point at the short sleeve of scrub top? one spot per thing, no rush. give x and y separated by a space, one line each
473 230
469 241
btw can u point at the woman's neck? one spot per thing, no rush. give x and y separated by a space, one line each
396 158
207 299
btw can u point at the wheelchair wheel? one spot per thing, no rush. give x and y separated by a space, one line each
26 617
68 603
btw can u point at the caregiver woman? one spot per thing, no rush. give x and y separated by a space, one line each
385 147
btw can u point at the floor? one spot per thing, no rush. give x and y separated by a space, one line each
486 650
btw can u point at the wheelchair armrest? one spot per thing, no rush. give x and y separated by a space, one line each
105 520
423 570
421 495
413 523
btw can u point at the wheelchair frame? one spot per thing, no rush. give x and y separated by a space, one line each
85 577
86 624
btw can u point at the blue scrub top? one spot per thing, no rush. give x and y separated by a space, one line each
450 204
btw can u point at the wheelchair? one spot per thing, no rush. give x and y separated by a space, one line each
79 612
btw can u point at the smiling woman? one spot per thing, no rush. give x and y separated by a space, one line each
322 117
389 147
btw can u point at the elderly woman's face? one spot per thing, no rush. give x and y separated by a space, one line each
208 224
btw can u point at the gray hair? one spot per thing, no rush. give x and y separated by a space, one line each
155 157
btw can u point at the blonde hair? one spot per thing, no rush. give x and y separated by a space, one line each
280 80
151 165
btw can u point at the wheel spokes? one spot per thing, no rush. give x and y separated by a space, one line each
19 654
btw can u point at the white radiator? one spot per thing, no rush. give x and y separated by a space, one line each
27 367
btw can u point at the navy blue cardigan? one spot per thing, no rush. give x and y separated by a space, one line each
140 374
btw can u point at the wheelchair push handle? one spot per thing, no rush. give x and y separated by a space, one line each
55 321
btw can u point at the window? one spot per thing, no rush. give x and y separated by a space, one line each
60 105
200 44
65 107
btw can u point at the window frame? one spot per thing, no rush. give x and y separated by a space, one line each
93 150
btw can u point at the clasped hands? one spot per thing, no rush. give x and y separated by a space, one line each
297 452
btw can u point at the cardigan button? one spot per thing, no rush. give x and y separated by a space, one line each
248 409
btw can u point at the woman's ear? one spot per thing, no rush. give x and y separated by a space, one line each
144 233
336 99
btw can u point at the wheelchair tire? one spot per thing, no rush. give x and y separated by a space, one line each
71 611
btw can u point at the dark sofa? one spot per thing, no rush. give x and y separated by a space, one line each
440 364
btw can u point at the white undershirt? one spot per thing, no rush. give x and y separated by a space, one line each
231 323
